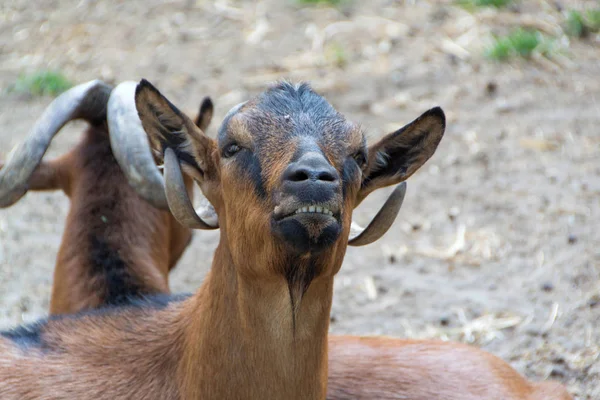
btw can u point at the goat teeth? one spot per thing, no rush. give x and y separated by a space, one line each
314 209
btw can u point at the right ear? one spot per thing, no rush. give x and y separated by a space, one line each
47 176
168 127
398 155
205 114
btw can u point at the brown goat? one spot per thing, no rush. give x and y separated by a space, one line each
364 368
115 245
257 328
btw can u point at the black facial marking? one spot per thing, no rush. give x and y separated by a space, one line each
106 263
349 172
249 165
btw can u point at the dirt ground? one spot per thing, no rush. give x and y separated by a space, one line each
498 242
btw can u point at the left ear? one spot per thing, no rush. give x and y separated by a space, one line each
400 154
167 127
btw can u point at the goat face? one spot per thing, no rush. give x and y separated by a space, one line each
297 156
286 169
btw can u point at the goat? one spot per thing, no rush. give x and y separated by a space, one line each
257 328
115 245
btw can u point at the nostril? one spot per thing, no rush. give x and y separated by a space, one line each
298 175
326 176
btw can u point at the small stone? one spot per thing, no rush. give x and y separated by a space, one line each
491 88
572 239
559 360
558 372
162 68
24 305
392 259
453 213
445 320
547 287
533 332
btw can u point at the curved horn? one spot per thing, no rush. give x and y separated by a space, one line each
382 221
87 101
131 148
178 199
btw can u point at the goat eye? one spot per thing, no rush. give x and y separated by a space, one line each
360 158
230 150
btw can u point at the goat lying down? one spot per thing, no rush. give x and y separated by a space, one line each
115 245
257 328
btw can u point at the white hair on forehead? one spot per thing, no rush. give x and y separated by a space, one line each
230 114
234 110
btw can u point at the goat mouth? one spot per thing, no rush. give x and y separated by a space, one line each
310 211
307 228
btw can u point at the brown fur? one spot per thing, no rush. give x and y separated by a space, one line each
147 241
386 369
101 364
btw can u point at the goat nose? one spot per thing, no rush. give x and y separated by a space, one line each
311 167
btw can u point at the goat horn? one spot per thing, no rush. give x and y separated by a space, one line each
382 221
87 101
131 148
179 201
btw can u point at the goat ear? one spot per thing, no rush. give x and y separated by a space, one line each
48 175
205 114
168 127
399 154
